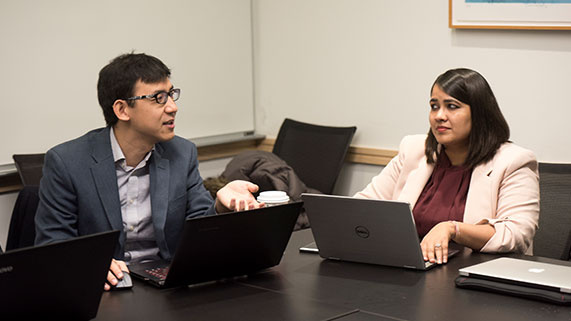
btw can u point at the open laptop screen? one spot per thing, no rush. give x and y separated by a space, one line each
225 245
59 280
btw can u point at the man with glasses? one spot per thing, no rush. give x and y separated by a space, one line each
134 175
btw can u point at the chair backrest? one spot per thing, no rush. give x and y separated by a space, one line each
316 153
553 238
29 167
22 230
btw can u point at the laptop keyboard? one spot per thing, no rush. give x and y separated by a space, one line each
158 273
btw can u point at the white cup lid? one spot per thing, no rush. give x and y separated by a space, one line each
273 197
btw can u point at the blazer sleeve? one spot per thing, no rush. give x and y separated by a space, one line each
56 216
517 209
383 185
386 184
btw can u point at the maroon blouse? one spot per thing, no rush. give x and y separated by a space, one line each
443 197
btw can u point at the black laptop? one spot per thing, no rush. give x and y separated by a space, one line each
224 246
62 280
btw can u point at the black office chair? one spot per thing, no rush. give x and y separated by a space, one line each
553 238
22 230
29 167
316 153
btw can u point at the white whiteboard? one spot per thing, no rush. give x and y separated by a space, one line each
52 52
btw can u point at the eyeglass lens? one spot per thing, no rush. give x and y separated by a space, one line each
163 96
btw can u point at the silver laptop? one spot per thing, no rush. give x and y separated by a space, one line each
365 231
523 272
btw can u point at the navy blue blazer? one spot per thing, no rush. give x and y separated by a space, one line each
79 193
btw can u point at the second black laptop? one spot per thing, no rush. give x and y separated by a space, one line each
58 281
224 246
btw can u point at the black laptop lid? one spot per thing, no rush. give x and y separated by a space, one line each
233 244
62 280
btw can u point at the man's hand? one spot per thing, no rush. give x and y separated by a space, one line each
115 271
237 196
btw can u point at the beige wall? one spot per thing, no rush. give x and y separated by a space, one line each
371 63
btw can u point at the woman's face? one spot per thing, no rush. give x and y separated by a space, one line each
450 119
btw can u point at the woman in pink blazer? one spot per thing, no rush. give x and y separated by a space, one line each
464 180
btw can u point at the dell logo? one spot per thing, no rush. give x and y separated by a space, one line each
6 269
362 232
536 270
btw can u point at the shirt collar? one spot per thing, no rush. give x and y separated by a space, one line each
118 155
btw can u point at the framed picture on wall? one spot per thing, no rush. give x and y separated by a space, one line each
510 14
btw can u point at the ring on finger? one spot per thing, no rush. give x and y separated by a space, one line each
437 245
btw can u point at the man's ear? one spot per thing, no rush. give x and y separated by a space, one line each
121 109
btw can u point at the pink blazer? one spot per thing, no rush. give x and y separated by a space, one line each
503 192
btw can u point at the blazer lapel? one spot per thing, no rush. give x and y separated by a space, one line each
479 202
415 182
105 178
160 173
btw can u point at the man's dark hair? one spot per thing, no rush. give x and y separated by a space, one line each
117 80
489 127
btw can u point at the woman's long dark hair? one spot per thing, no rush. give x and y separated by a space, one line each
489 127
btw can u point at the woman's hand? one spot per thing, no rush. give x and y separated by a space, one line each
434 245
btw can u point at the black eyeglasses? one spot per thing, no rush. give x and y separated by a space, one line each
161 97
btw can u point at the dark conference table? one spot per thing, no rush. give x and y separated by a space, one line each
305 287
